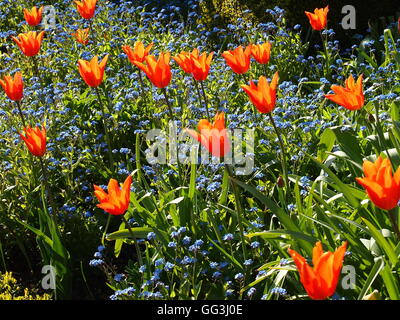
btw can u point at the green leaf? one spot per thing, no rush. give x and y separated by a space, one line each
340 186
139 233
192 186
390 278
225 188
395 111
280 235
326 143
383 244
283 217
119 242
226 254
371 277
348 144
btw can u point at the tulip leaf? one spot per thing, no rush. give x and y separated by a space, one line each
119 242
371 277
340 186
391 283
280 234
326 143
226 254
139 233
383 244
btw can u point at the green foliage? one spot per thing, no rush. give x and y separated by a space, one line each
197 225
10 290
368 13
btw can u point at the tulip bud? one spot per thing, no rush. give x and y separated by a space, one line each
373 296
280 182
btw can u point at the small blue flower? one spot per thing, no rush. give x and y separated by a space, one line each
159 262
228 237
96 262
251 292
248 262
151 236
172 244
283 262
279 291
254 244
182 230
186 240
169 266
119 277
229 292
239 276
142 268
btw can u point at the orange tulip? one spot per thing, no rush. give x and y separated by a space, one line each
13 87
35 140
92 71
138 53
158 71
116 201
213 136
321 279
382 187
318 19
238 59
261 52
351 97
86 8
82 36
29 42
184 59
201 66
34 16
194 63
263 95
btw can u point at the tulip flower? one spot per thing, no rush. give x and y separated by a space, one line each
184 60
195 64
13 87
318 19
201 66
34 16
116 201
92 71
35 140
29 42
86 8
383 188
158 71
138 53
321 279
213 136
261 52
82 36
351 97
263 95
238 60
